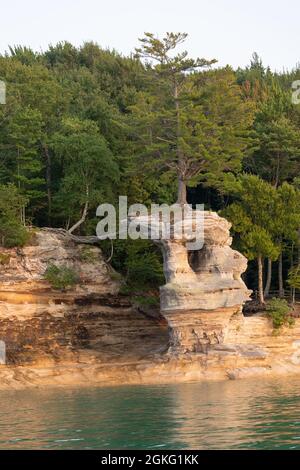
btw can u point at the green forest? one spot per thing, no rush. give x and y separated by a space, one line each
83 125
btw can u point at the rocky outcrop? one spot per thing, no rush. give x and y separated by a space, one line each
90 334
22 269
205 279
203 287
249 349
87 323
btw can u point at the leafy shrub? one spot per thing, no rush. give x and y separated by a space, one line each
4 259
146 301
125 289
294 277
87 255
115 276
12 232
139 261
145 270
61 277
279 311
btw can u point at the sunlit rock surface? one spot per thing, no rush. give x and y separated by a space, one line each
205 279
91 335
24 270
87 323
203 287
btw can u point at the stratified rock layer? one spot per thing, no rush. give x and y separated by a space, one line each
203 287
87 323
198 331
205 279
24 268
90 334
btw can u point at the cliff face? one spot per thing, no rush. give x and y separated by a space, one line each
204 288
204 279
22 269
90 334
86 323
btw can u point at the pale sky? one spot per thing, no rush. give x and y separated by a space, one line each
228 30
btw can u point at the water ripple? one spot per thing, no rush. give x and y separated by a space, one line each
224 415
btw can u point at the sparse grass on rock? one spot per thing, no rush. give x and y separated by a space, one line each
280 313
61 277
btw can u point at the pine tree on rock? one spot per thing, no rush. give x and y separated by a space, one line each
189 124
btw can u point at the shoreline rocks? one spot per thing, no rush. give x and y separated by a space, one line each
90 335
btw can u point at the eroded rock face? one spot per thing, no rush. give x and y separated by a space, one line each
87 323
96 336
206 279
203 288
198 331
24 268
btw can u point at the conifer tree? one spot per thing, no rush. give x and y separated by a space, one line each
25 165
188 124
12 231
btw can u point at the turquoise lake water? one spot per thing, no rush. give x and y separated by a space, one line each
246 414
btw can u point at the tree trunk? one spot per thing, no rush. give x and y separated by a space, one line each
299 247
269 279
293 294
260 281
22 210
84 213
280 277
111 251
48 180
292 290
23 215
181 197
277 171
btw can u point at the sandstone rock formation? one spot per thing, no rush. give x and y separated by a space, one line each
90 334
88 323
22 270
121 355
206 279
204 287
